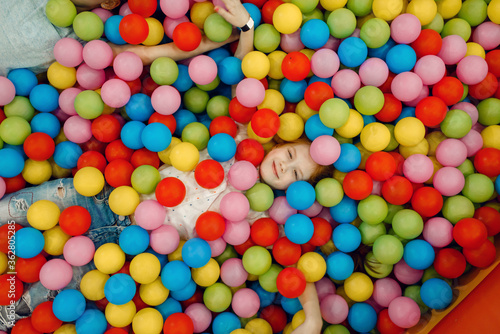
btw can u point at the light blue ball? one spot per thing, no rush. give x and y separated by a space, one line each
291 305
352 51
419 254
183 117
299 228
91 322
300 195
401 58
139 107
344 212
68 305
436 293
229 71
169 307
405 112
183 82
315 78
315 128
133 240
29 242
293 91
314 34
225 323
266 298
196 252
497 185
112 31
221 147
254 12
120 289
362 317
156 137
46 123
346 237
66 154
44 98
339 265
367 119
11 162
131 134
23 79
349 159
185 293
175 275
219 54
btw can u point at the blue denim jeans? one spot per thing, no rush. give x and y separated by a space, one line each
105 227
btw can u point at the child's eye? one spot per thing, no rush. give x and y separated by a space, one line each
296 175
290 154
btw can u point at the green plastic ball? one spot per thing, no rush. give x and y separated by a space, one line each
456 124
60 13
457 207
218 106
197 134
334 113
228 253
329 192
457 26
216 28
478 188
164 71
413 292
489 111
341 22
217 297
375 32
388 249
393 143
267 38
376 269
145 178
306 6
88 104
260 197
392 210
14 130
88 26
432 273
195 100
210 86
408 224
473 11
257 260
360 7
336 329
369 233
268 279
437 24
369 100
314 14
467 168
20 106
373 209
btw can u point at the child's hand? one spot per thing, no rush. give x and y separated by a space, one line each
236 14
309 326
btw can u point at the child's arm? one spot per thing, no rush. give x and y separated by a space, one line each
310 304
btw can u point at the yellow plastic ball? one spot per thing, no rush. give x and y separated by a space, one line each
156 32
387 10
392 143
448 8
154 293
255 64
66 329
200 11
273 100
92 285
3 262
88 181
287 18
437 166
304 111
493 11
288 328
424 10
331 5
420 148
147 321
43 214
184 156
409 131
275 60
109 258
165 154
291 127
491 136
145 268
259 326
176 255
55 239
358 287
120 315
353 126
240 331
434 138
298 319
57 171
61 77
251 134
206 275
123 200
313 266
475 49
37 172
252 277
375 137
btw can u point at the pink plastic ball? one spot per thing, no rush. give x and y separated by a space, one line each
453 49
438 232
7 91
418 168
325 150
324 287
97 54
166 100
313 210
232 272
169 25
373 72
150 214
67 100
385 290
377 187
334 309
88 78
242 175
332 43
469 108
202 70
237 232
68 52
201 316
406 86
128 66
124 10
245 303
103 14
430 69
487 34
472 70
217 246
473 142
449 181
423 94
165 239
291 42
451 152
78 129
3 187
405 28
345 83
250 92
79 250
56 274
325 63
280 210
115 93
406 274
404 312
174 8
61 115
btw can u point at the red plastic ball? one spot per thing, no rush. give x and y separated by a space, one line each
265 122
485 89
178 323
92 159
264 232
6 235
93 145
268 10
391 110
239 112
133 29
493 61
258 3
28 270
43 318
168 120
286 252
357 185
490 218
13 184
75 220
143 156
118 172
101 304
481 257
399 162
275 316
295 66
450 263
106 128
429 42
187 36
322 231
24 326
223 124
197 297
317 93
209 174
397 190
39 146
148 86
210 225
145 8
380 166
117 150
449 89
386 86
291 282
170 192
116 331
470 232
135 86
487 161
427 201
139 303
250 150
385 324
306 248
431 111
289 107
241 249
11 289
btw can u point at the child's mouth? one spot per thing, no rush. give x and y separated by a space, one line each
275 170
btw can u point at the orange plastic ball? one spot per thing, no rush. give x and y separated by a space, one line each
170 192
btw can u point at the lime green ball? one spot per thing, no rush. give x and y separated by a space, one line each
413 292
210 86
268 279
341 139
306 6
217 297
388 249
60 13
336 329
88 104
375 32
457 26
145 178
164 71
432 273
360 7
457 207
20 106
334 113
14 130
216 28
88 26
478 188
489 111
260 197
341 22
197 134
369 232
218 106
473 11
376 269
373 209
393 143
314 14
329 192
195 100
228 253
456 124
467 167
392 210
267 38
408 224
369 100
437 24
257 260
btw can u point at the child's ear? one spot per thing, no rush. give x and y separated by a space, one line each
110 4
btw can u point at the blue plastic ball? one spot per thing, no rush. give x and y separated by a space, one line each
349 159
219 54
300 195
299 228
266 298
497 185
196 252
315 128
381 52
133 240
131 134
314 34
339 265
112 31
119 289
436 293
29 242
44 98
185 293
315 78
183 82
68 305
11 162
221 147
204 119
23 79
405 112
183 117
352 52
367 119
229 71
139 107
46 123
91 322
419 254
362 317
156 137
66 154
346 238
401 58
344 212
169 307
175 275
291 305
254 12
293 91
225 323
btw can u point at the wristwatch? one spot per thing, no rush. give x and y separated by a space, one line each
248 26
